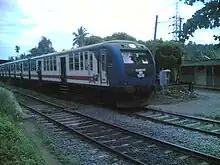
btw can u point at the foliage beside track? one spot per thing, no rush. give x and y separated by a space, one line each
16 148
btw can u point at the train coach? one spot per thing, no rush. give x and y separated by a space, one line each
118 70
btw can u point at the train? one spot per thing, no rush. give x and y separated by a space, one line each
121 71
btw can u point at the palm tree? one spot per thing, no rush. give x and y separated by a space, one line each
79 36
17 49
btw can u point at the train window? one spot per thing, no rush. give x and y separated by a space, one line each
51 63
81 61
71 61
33 65
86 60
47 64
17 67
91 61
54 63
44 63
76 60
12 67
21 67
25 66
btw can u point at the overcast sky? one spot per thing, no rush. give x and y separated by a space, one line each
23 22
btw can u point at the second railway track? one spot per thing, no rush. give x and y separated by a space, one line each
133 147
204 125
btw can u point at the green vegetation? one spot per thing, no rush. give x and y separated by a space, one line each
16 148
206 17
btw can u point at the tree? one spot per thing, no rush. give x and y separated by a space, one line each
44 47
92 40
11 58
23 56
34 52
168 55
79 36
17 49
120 36
206 17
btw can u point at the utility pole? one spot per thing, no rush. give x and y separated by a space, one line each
180 29
177 24
155 35
155 30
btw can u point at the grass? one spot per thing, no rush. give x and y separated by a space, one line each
16 148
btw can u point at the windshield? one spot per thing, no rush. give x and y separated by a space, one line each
136 57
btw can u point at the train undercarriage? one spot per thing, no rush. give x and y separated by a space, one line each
129 97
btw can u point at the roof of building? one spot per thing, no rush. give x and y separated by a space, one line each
201 62
3 61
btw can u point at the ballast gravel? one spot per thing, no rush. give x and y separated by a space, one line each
78 150
190 139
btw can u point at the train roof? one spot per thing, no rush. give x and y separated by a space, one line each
112 42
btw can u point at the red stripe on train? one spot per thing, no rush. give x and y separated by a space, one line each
68 77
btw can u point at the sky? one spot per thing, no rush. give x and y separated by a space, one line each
23 22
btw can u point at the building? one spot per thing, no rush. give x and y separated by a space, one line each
3 61
204 72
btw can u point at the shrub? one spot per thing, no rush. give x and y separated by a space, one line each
16 148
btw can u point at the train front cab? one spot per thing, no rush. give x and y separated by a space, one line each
134 74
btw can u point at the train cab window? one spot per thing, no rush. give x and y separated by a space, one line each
71 61
51 63
136 57
91 61
76 60
81 61
86 60
54 63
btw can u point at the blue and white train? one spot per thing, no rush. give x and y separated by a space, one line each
119 69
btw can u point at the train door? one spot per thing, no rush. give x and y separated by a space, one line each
39 69
63 68
103 66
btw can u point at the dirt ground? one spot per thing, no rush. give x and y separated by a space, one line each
180 100
173 95
31 130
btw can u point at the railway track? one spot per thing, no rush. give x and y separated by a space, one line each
133 147
204 125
